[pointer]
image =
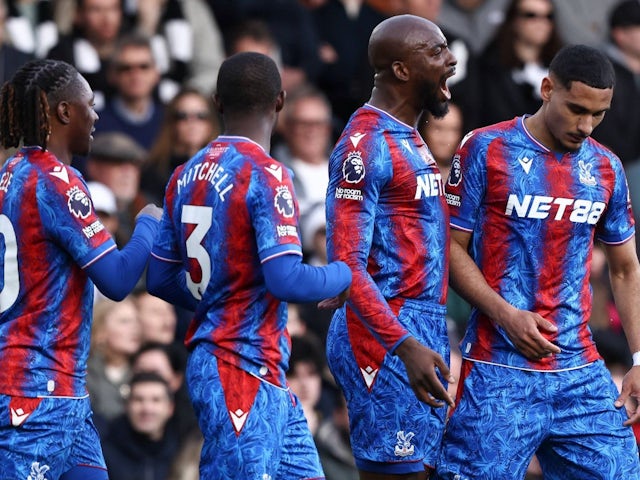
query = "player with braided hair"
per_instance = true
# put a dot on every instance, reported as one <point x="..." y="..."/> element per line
<point x="54" y="248"/>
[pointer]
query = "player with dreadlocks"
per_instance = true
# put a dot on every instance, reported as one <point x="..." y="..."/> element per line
<point x="53" y="248"/>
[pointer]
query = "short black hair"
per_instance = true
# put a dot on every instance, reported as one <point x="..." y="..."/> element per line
<point x="248" y="81"/>
<point x="150" y="377"/>
<point x="174" y="352"/>
<point x="581" y="63"/>
<point x="306" y="348"/>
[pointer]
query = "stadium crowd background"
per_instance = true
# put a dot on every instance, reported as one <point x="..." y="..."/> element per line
<point x="153" y="64"/>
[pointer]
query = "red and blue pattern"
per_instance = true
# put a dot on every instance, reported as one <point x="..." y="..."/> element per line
<point x="387" y="219"/>
<point x="228" y="209"/>
<point x="534" y="215"/>
<point x="50" y="231"/>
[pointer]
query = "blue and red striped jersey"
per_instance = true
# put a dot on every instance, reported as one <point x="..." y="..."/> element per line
<point x="534" y="215"/>
<point x="227" y="210"/>
<point x="387" y="219"/>
<point x="50" y="232"/>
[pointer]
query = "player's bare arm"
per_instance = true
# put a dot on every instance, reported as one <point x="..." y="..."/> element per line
<point x="524" y="328"/>
<point x="624" y="271"/>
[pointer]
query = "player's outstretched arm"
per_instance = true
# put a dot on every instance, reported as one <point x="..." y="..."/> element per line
<point x="523" y="327"/>
<point x="290" y="280"/>
<point x="117" y="272"/>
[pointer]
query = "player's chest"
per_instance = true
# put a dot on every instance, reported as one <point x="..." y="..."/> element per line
<point x="541" y="187"/>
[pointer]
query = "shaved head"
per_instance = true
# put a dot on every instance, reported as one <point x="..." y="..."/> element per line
<point x="412" y="61"/>
<point x="396" y="37"/>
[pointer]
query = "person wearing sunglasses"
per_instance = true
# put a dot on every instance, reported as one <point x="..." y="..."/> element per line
<point x="134" y="109"/>
<point x="512" y="66"/>
<point x="188" y="125"/>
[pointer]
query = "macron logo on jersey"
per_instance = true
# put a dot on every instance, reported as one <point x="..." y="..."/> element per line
<point x="540" y="207"/>
<point x="355" y="138"/>
<point x="526" y="163"/>
<point x="275" y="170"/>
<point x="61" y="173"/>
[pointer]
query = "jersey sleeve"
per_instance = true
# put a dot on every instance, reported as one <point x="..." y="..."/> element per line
<point x="273" y="209"/>
<point x="69" y="217"/>
<point x="357" y="176"/>
<point x="465" y="187"/>
<point x="618" y="223"/>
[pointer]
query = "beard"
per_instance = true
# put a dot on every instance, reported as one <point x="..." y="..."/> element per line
<point x="435" y="107"/>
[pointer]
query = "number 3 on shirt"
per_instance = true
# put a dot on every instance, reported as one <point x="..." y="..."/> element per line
<point x="201" y="217"/>
<point x="11" y="278"/>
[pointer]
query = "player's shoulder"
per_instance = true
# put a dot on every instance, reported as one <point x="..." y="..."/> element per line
<point x="592" y="146"/>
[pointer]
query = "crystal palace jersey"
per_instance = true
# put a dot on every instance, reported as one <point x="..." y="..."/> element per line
<point x="49" y="233"/>
<point x="227" y="210"/>
<point x="387" y="219"/>
<point x="533" y="215"/>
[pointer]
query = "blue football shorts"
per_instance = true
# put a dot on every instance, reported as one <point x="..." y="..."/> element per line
<point x="49" y="438"/>
<point x="504" y="416"/>
<point x="253" y="430"/>
<point x="392" y="432"/>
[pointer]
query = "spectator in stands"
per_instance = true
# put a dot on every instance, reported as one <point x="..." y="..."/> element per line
<point x="157" y="318"/>
<point x="186" y="40"/>
<point x="133" y="109"/>
<point x="115" y="338"/>
<point x="307" y="122"/>
<point x="116" y="160"/>
<point x="30" y="26"/>
<point x="291" y="27"/>
<point x="91" y="44"/>
<point x="11" y="58"/>
<point x="344" y="28"/>
<point x="140" y="444"/>
<point x="516" y="60"/>
<point x="169" y="361"/>
<point x="583" y="21"/>
<point x="476" y="21"/>
<point x="442" y="136"/>
<point x="189" y="123"/>
<point x="621" y="124"/>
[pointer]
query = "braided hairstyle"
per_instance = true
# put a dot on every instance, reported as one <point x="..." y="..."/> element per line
<point x="26" y="99"/>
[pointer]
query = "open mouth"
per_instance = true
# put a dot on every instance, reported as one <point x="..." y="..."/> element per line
<point x="444" y="88"/>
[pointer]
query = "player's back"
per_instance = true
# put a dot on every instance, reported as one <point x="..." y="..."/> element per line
<point x="232" y="207"/>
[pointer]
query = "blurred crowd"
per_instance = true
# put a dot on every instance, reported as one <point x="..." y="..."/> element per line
<point x="152" y="65"/>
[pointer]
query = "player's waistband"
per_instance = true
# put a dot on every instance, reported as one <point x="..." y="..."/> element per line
<point x="420" y="305"/>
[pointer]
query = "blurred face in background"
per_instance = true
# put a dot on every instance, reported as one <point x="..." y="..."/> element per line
<point x="194" y="123"/>
<point x="442" y="136"/>
<point x="135" y="73"/>
<point x="156" y="361"/>
<point x="534" y="22"/>
<point x="100" y="20"/>
<point x="157" y="318"/>
<point x="308" y="129"/>
<point x="149" y="408"/>
<point x="119" y="332"/>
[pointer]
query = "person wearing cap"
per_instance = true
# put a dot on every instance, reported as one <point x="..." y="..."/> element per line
<point x="116" y="161"/>
<point x="620" y="127"/>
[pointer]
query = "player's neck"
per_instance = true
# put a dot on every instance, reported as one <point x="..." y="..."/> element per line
<point x="258" y="129"/>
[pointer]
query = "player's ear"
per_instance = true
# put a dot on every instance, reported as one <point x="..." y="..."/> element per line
<point x="546" y="88"/>
<point x="63" y="112"/>
<point x="400" y="70"/>
<point x="280" y="100"/>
